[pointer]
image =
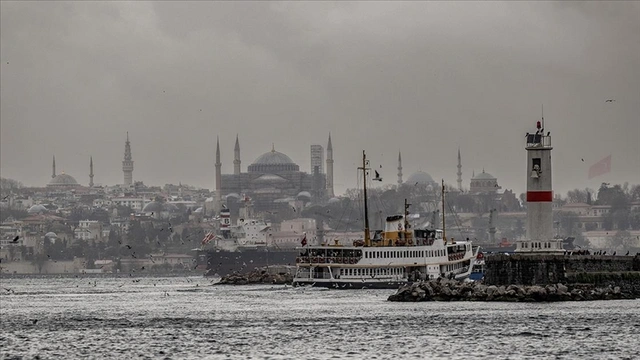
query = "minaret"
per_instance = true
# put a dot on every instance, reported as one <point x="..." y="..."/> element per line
<point x="218" y="203"/>
<point x="399" y="168"/>
<point x="539" y="196"/>
<point x="53" y="174"/>
<point x="127" y="163"/>
<point x="91" y="171"/>
<point x="330" y="192"/>
<point x="459" y="171"/>
<point x="236" y="158"/>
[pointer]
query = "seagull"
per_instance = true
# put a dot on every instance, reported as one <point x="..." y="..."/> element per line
<point x="609" y="100"/>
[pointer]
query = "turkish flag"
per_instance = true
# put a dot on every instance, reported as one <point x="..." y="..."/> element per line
<point x="601" y="167"/>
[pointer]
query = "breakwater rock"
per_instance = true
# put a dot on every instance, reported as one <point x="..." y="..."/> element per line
<point x="451" y="290"/>
<point x="257" y="276"/>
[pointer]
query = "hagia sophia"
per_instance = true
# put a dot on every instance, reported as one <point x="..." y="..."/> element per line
<point x="274" y="180"/>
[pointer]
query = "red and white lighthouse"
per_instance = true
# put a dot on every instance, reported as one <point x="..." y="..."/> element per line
<point x="539" y="196"/>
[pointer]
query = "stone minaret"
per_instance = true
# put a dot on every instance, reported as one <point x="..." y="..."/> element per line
<point x="330" y="192"/>
<point x="236" y="157"/>
<point x="53" y="174"/>
<point x="127" y="163"/>
<point x="459" y="171"/>
<point x="218" y="203"/>
<point x="91" y="171"/>
<point x="399" y="168"/>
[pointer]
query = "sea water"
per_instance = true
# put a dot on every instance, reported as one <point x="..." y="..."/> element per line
<point x="190" y="318"/>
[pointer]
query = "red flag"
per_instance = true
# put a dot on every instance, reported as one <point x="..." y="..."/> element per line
<point x="304" y="240"/>
<point x="601" y="167"/>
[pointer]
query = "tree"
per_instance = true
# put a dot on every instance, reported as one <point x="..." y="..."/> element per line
<point x="9" y="185"/>
<point x="577" y="196"/>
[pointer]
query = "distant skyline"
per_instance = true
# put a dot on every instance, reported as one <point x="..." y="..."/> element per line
<point x="425" y="78"/>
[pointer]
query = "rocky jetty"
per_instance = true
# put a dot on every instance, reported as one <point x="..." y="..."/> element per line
<point x="451" y="290"/>
<point x="257" y="276"/>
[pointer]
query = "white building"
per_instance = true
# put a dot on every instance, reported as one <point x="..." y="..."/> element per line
<point x="134" y="203"/>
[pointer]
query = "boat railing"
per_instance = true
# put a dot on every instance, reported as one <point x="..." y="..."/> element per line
<point x="327" y="259"/>
<point x="456" y="256"/>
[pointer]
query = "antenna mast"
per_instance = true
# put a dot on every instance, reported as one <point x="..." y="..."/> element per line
<point x="543" y="116"/>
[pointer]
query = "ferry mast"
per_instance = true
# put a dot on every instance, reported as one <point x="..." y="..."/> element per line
<point x="444" y="234"/>
<point x="364" y="168"/>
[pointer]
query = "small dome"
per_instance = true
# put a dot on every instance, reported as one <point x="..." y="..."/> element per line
<point x="232" y="195"/>
<point x="420" y="177"/>
<point x="158" y="207"/>
<point x="63" y="180"/>
<point x="36" y="209"/>
<point x="484" y="176"/>
<point x="304" y="195"/>
<point x="50" y="234"/>
<point x="334" y="200"/>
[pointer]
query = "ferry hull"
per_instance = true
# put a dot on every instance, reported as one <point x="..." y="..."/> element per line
<point x="352" y="284"/>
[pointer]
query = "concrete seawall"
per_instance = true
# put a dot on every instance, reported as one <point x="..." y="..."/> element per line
<point x="599" y="270"/>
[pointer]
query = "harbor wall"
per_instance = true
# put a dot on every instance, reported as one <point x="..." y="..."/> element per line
<point x="531" y="269"/>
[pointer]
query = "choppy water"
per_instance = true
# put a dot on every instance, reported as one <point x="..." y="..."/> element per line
<point x="187" y="318"/>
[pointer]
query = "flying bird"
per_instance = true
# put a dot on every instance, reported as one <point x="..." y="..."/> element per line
<point x="610" y="100"/>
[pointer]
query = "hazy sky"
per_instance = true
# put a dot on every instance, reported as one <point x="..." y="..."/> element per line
<point x="421" y="77"/>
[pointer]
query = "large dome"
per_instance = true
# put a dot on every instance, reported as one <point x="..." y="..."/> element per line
<point x="273" y="161"/>
<point x="484" y="176"/>
<point x="420" y="177"/>
<point x="63" y="180"/>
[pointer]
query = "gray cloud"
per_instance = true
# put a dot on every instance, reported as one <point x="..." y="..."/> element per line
<point x="421" y="77"/>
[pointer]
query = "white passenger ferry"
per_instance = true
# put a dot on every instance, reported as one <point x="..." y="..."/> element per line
<point x="396" y="256"/>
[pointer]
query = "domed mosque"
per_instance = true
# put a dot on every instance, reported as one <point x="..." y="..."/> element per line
<point x="273" y="177"/>
<point x="420" y="178"/>
<point x="63" y="181"/>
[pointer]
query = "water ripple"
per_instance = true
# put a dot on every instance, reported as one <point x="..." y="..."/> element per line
<point x="187" y="318"/>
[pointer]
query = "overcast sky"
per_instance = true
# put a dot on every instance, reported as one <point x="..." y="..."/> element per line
<point x="421" y="77"/>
